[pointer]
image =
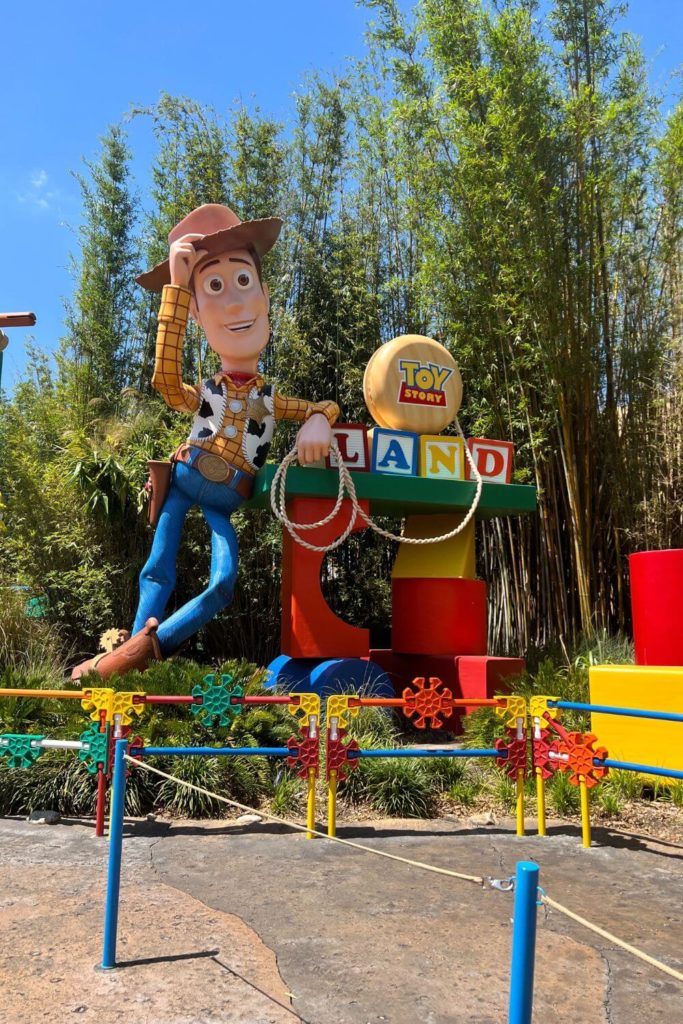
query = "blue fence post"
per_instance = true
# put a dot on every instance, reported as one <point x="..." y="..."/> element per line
<point x="523" y="943"/>
<point x="111" y="908"/>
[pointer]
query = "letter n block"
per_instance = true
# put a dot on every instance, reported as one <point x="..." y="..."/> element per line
<point x="442" y="458"/>
<point x="493" y="459"/>
<point x="352" y="439"/>
<point x="394" y="451"/>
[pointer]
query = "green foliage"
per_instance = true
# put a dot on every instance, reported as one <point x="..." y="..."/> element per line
<point x="58" y="781"/>
<point x="505" y="791"/>
<point x="97" y="353"/>
<point x="467" y="790"/>
<point x="674" y="794"/>
<point x="237" y="778"/>
<point x="562" y="796"/>
<point x="625" y="786"/>
<point x="609" y="802"/>
<point x="288" y="796"/>
<point x="445" y="773"/>
<point x="400" y="788"/>
<point x="27" y="644"/>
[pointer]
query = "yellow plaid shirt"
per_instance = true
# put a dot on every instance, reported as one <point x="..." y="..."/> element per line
<point x="167" y="380"/>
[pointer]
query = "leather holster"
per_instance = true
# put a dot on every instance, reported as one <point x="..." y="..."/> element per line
<point x="159" y="483"/>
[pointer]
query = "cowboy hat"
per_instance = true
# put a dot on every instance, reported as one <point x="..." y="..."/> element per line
<point x="221" y="231"/>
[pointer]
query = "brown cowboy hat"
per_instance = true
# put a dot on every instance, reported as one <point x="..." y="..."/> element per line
<point x="221" y="231"/>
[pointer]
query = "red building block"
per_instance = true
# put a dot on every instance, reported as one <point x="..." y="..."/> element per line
<point x="486" y="676"/>
<point x="310" y="629"/>
<point x="438" y="616"/>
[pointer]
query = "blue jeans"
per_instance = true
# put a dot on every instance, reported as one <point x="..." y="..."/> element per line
<point x="158" y="578"/>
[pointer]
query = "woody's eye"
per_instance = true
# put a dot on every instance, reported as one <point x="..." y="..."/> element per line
<point x="244" y="279"/>
<point x="213" y="285"/>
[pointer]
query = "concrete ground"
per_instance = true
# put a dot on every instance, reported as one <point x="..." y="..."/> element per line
<point x="220" y="923"/>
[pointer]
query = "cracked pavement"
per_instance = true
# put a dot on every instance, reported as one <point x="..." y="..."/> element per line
<point x="230" y="924"/>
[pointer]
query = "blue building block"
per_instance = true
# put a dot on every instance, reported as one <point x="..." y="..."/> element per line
<point x="395" y="452"/>
<point x="335" y="675"/>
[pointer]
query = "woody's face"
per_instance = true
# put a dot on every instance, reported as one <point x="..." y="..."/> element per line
<point x="231" y="306"/>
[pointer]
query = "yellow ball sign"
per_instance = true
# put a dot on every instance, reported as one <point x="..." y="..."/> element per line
<point x="413" y="383"/>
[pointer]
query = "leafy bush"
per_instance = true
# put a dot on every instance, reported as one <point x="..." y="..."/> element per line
<point x="27" y="644"/>
<point x="562" y="796"/>
<point x="444" y="772"/>
<point x="609" y="802"/>
<point x="466" y="791"/>
<point x="288" y="796"/>
<point x="400" y="788"/>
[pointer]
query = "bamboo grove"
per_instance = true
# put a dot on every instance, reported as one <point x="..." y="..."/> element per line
<point x="503" y="181"/>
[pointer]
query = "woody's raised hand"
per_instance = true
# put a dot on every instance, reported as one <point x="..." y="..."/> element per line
<point x="183" y="258"/>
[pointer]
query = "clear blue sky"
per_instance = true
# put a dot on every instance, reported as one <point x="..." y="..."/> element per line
<point x="70" y="69"/>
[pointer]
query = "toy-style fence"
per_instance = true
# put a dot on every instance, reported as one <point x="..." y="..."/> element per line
<point x="547" y="747"/>
<point x="553" y="748"/>
<point x="114" y="714"/>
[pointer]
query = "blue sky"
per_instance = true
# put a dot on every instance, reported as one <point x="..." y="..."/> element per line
<point x="75" y="67"/>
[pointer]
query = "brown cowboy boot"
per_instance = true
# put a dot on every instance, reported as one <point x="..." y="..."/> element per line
<point x="135" y="653"/>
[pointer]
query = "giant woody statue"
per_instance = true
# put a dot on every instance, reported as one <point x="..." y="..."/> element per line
<point x="213" y="274"/>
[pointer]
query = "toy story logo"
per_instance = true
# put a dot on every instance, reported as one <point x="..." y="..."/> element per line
<point x="422" y="383"/>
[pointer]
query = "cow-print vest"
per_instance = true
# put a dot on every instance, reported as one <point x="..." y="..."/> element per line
<point x="256" y="436"/>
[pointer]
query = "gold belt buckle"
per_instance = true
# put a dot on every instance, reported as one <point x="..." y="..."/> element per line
<point x="213" y="467"/>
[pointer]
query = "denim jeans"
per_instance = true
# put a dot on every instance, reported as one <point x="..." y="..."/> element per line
<point x="158" y="578"/>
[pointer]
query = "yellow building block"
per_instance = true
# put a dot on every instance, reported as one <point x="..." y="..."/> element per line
<point x="647" y="688"/>
<point x="447" y="560"/>
<point x="442" y="458"/>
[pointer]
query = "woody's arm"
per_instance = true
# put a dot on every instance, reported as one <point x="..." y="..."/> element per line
<point x="168" y="362"/>
<point x="313" y="440"/>
<point x="173" y="314"/>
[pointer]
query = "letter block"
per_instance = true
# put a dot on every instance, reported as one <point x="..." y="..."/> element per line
<point x="442" y="458"/>
<point x="395" y="451"/>
<point x="352" y="439"/>
<point x="493" y="459"/>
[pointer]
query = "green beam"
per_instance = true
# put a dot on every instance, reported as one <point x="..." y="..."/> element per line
<point x="400" y="496"/>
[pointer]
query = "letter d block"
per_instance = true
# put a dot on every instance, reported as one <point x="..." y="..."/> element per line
<point x="394" y="451"/>
<point x="442" y="458"/>
<point x="352" y="440"/>
<point x="493" y="459"/>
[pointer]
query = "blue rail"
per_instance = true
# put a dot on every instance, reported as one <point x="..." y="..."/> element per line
<point x="213" y="751"/>
<point x="397" y="752"/>
<point x="647" y="769"/>
<point x="603" y="709"/>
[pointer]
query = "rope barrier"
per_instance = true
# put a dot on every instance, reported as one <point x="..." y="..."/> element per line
<point x="346" y="485"/>
<point x="477" y="879"/>
<point x="612" y="938"/>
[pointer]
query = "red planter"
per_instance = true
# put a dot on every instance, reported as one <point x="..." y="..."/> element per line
<point x="657" y="605"/>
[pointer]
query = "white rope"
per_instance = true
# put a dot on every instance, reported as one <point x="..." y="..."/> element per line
<point x="346" y="485"/>
<point x="612" y="938"/>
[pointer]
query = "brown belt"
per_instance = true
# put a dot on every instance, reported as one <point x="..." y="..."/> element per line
<point x="214" y="468"/>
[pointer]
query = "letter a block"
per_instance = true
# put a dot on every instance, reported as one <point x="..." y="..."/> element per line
<point x="493" y="459"/>
<point x="394" y="451"/>
<point x="352" y="439"/>
<point x="442" y="458"/>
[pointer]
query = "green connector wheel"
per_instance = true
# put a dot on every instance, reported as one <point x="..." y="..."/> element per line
<point x="216" y="708"/>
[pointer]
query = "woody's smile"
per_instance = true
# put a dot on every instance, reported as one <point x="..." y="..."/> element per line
<point x="242" y="325"/>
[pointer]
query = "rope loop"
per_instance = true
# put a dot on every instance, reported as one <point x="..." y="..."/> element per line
<point x="347" y="488"/>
